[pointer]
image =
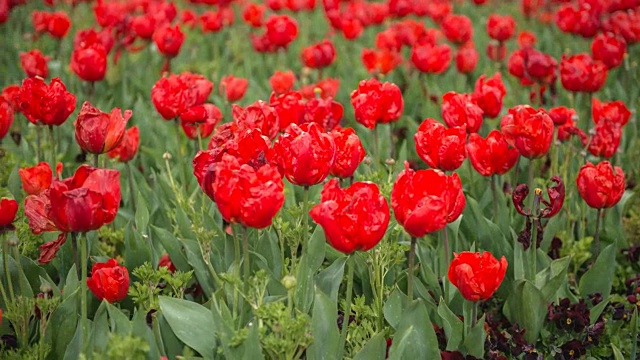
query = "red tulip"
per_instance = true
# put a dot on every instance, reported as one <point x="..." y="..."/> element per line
<point x="6" y="117"/>
<point x="380" y="61"/>
<point x="609" y="49"/>
<point x="281" y="30"/>
<point x="439" y="147"/>
<point x="200" y="119"/>
<point x="569" y="129"/>
<point x="375" y="102"/>
<point x="457" y="28"/>
<point x="233" y="88"/>
<point x="501" y="28"/>
<point x="561" y="115"/>
<point x="38" y="178"/>
<point x="258" y="115"/>
<point x="175" y="94"/>
<point x="581" y="73"/>
<point x="325" y="112"/>
<point x="109" y="281"/>
<point x="282" y="81"/>
<point x="432" y="59"/>
<point x="253" y="14"/>
<point x="349" y="152"/>
<point x="128" y="147"/>
<point x="305" y="154"/>
<point x="169" y="40"/>
<point x="98" y="132"/>
<point x="353" y="219"/>
<point x="491" y="156"/>
<point x="34" y="63"/>
<point x="212" y="21"/>
<point x="477" y="276"/>
<point x="526" y="38"/>
<point x="425" y="201"/>
<point x="467" y="58"/>
<point x="87" y="37"/>
<point x="489" y="93"/>
<point x="601" y="186"/>
<point x="86" y="201"/>
<point x="496" y="51"/>
<point x="8" y="211"/>
<point x="528" y="130"/>
<point x="289" y="107"/>
<point x="615" y="111"/>
<point x="606" y="139"/>
<point x="57" y="23"/>
<point x="251" y="197"/>
<point x="461" y="110"/>
<point x="46" y="104"/>
<point x="11" y="94"/>
<point x="144" y="25"/>
<point x="165" y="261"/>
<point x="319" y="55"/>
<point x="89" y="61"/>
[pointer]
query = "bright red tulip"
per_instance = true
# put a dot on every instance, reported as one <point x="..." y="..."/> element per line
<point x="289" y="107"/>
<point x="89" y="62"/>
<point x="34" y="63"/>
<point x="349" y="152"/>
<point x="606" y="139"/>
<point x="439" y="147"/>
<point x="305" y="154"/>
<point x="98" y="132"/>
<point x="11" y="94"/>
<point x="38" y="178"/>
<point x="281" y="30"/>
<point x="253" y="14"/>
<point x="496" y="51"/>
<point x="375" y="102"/>
<point x="528" y="130"/>
<point x="87" y="37"/>
<point x="580" y="73"/>
<point x="425" y="201"/>
<point x="282" y="81"/>
<point x="245" y="195"/>
<point x="489" y="93"/>
<point x="461" y="110"/>
<point x="609" y="49"/>
<point x="57" y="23"/>
<point x="433" y="59"/>
<point x="457" y="28"/>
<point x="200" y="119"/>
<point x="144" y="26"/>
<point x="46" y="104"/>
<point x="601" y="186"/>
<point x="467" y="58"/>
<point x="6" y="117"/>
<point x="109" y="281"/>
<point x="615" y="111"/>
<point x="477" y="276"/>
<point x="491" y="156"/>
<point x="258" y="115"/>
<point x="169" y="40"/>
<point x="8" y="211"/>
<point x="353" y="219"/>
<point x="561" y="115"/>
<point x="380" y="61"/>
<point x="325" y="112"/>
<point x="233" y="88"/>
<point x="501" y="28"/>
<point x="128" y="147"/>
<point x="317" y="56"/>
<point x="174" y="94"/>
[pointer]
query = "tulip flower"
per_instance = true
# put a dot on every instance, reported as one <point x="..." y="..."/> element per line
<point x="8" y="211"/>
<point x="165" y="261"/>
<point x="175" y="94"/>
<point x="439" y="147"/>
<point x="375" y="102"/>
<point x="467" y="58"/>
<point x="258" y="115"/>
<point x="319" y="55"/>
<point x="281" y="30"/>
<point x="501" y="28"/>
<point x="353" y="219"/>
<point x="56" y="24"/>
<point x="89" y="62"/>
<point x="169" y="40"/>
<point x="609" y="49"/>
<point x="289" y="107"/>
<point x="253" y="14"/>
<point x="325" y="112"/>
<point x="6" y="117"/>
<point x="282" y="81"/>
<point x="461" y="110"/>
<point x="615" y="111"/>
<point x="128" y="147"/>
<point x="528" y="130"/>
<point x="233" y="88"/>
<point x="46" y="104"/>
<point x="580" y="73"/>
<point x="433" y="59"/>
<point x="477" y="276"/>
<point x="200" y="120"/>
<point x="109" y="281"/>
<point x="491" y="156"/>
<point x="380" y="61"/>
<point x="34" y="63"/>
<point x="457" y="28"/>
<point x="349" y="152"/>
<point x="305" y="154"/>
<point x="38" y="178"/>
<point x="489" y="93"/>
<point x="98" y="132"/>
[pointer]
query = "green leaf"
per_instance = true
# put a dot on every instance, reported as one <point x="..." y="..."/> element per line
<point x="309" y="265"/>
<point x="191" y="323"/>
<point x="374" y="349"/>
<point x="527" y="306"/>
<point x="142" y="214"/>
<point x="551" y="278"/>
<point x="140" y="329"/>
<point x="196" y="260"/>
<point x="252" y="348"/>
<point x="64" y="320"/>
<point x="119" y="321"/>
<point x="137" y="251"/>
<point x="596" y="311"/>
<point x="324" y="328"/>
<point x="329" y="279"/>
<point x="101" y="328"/>
<point x="474" y="341"/>
<point x="617" y="354"/>
<point x="393" y="308"/>
<point x="453" y="326"/>
<point x="172" y="245"/>
<point x="600" y="277"/>
<point x="76" y="347"/>
<point x="415" y="336"/>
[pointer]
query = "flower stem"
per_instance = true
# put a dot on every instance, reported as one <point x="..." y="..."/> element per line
<point x="447" y="261"/>
<point x="596" y="236"/>
<point x="305" y="218"/>
<point x="20" y="270"/>
<point x="38" y="144"/>
<point x="132" y="197"/>
<point x="474" y="314"/>
<point x="74" y="251"/>
<point x="347" y="310"/>
<point x="534" y="250"/>
<point x="5" y="261"/>
<point x="412" y="259"/>
<point x="245" y="261"/>
<point x="376" y="149"/>
<point x="52" y="140"/>
<point x="96" y="159"/>
<point x="494" y="192"/>
<point x="83" y="283"/>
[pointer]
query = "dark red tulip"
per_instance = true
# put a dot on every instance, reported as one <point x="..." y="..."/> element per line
<point x="601" y="186"/>
<point x="38" y="178"/>
<point x="34" y="63"/>
<point x="233" y="88"/>
<point x="491" y="156"/>
<point x="349" y="152"/>
<point x="457" y="28"/>
<point x="489" y="93"/>
<point x="425" y="201"/>
<point x="461" y="110"/>
<point x="109" y="281"/>
<point x="281" y="30"/>
<point x="8" y="211"/>
<point x="548" y="208"/>
<point x="319" y="55"/>
<point x="439" y="147"/>
<point x="6" y="117"/>
<point x="200" y="120"/>
<point x="89" y="61"/>
<point x="477" y="276"/>
<point x="305" y="154"/>
<point x="165" y="261"/>
<point x="561" y="115"/>
<point x="98" y="132"/>
<point x="433" y="59"/>
<point x="580" y="73"/>
<point x="609" y="48"/>
<point x="128" y="147"/>
<point x="258" y="115"/>
<point x="467" y="58"/>
<point x="353" y="219"/>
<point x="245" y="195"/>
<point x="501" y="28"/>
<point x="375" y="102"/>
<point x="282" y="81"/>
<point x="169" y="40"/>
<point x="528" y="130"/>
<point x="46" y="104"/>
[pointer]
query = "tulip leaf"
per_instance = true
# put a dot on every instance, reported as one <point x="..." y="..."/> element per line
<point x="474" y="340"/>
<point x="142" y="214"/>
<point x="393" y="308"/>
<point x="140" y="329"/>
<point x="268" y="246"/>
<point x="172" y="246"/>
<point x="309" y="265"/>
<point x="526" y="306"/>
<point x="595" y="312"/>
<point x="137" y="251"/>
<point x="329" y="279"/>
<point x="324" y="328"/>
<point x="192" y="323"/>
<point x="374" y="349"/>
<point x="76" y="346"/>
<point x="101" y="328"/>
<point x="195" y="258"/>
<point x="453" y="326"/>
<point x="551" y="278"/>
<point x="617" y="354"/>
<point x="71" y="283"/>
<point x="63" y="322"/>
<point x="119" y="321"/>
<point x="599" y="278"/>
<point x="170" y="343"/>
<point x="415" y="337"/>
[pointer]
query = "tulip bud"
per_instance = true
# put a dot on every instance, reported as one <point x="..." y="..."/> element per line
<point x="289" y="282"/>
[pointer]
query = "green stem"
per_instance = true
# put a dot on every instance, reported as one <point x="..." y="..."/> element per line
<point x="447" y="261"/>
<point x="376" y="149"/>
<point x="305" y="217"/>
<point x="596" y="236"/>
<point x="347" y="310"/>
<point x="96" y="160"/>
<point x="245" y="261"/>
<point x="83" y="281"/>
<point x="74" y="251"/>
<point x="20" y="270"/>
<point x="132" y="197"/>
<point x="5" y="260"/>
<point x="412" y="259"/>
<point x="534" y="250"/>
<point x="474" y="314"/>
<point x="494" y="193"/>
<point x="52" y="140"/>
<point x="38" y="144"/>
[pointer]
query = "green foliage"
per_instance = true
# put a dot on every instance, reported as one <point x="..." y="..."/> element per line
<point x="283" y="333"/>
<point x="152" y="283"/>
<point x="123" y="347"/>
<point x="361" y="328"/>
